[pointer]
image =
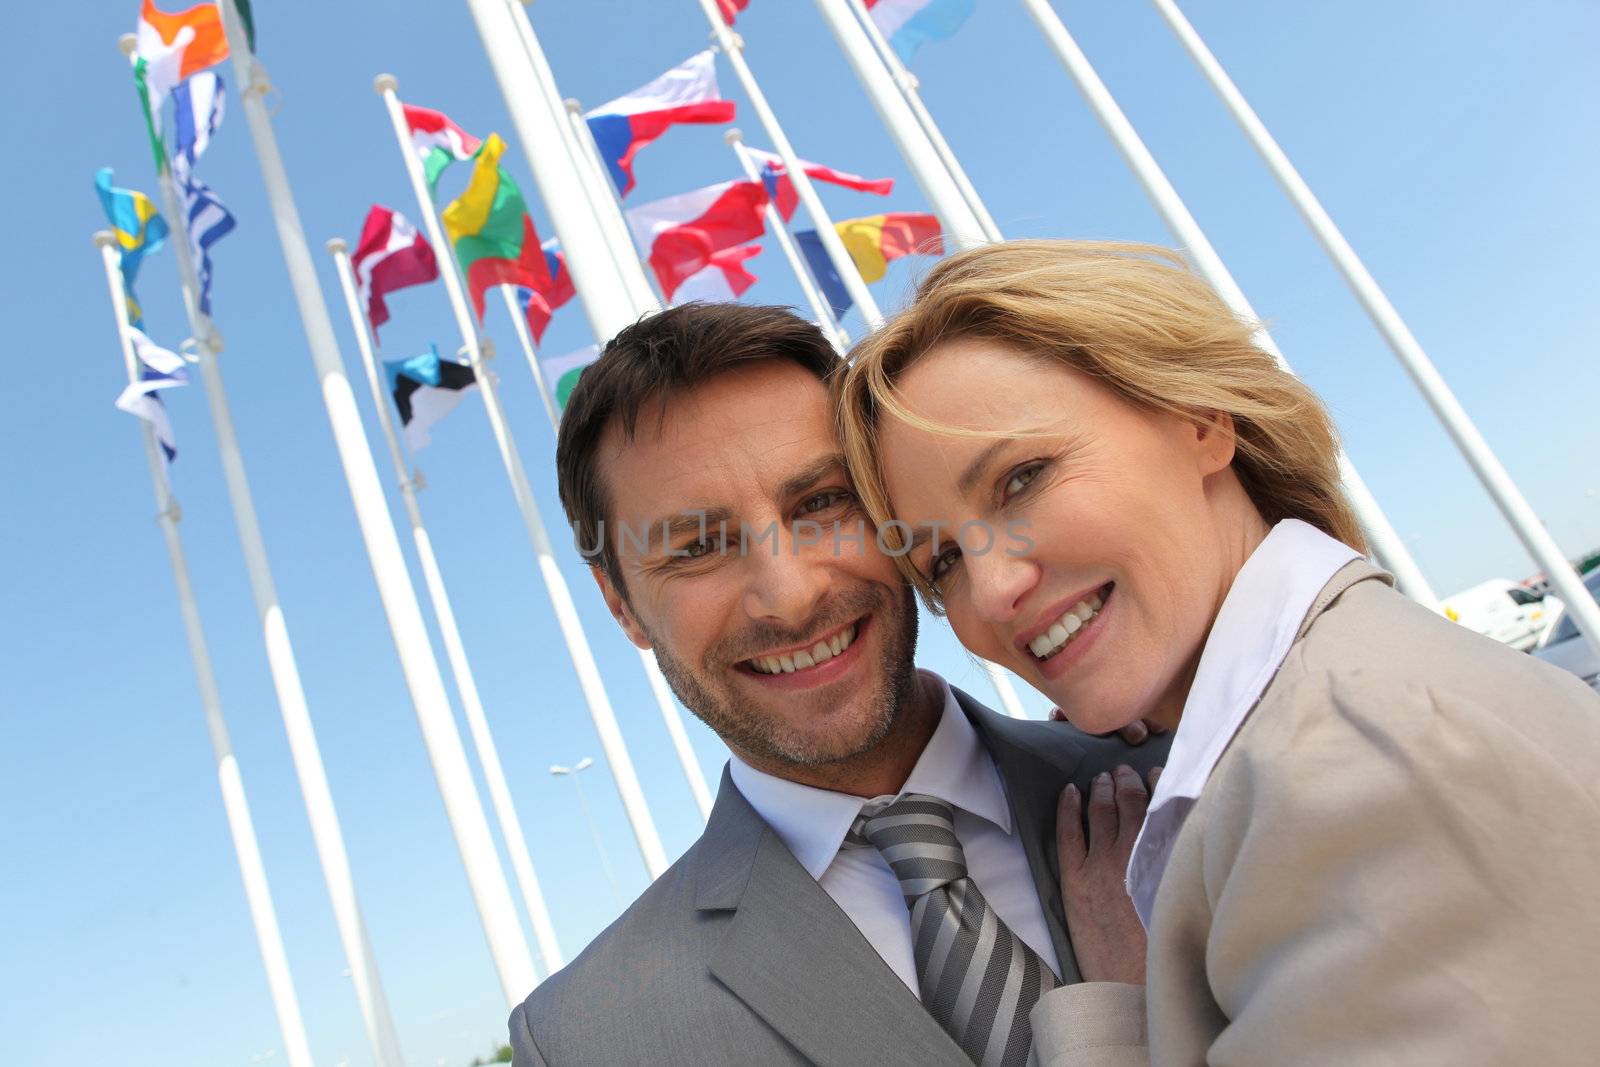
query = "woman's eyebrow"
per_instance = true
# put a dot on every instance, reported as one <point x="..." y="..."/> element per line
<point x="975" y="470"/>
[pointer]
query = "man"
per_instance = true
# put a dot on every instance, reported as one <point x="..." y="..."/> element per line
<point x="698" y="466"/>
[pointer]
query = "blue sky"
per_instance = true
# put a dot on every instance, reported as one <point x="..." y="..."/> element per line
<point x="1446" y="138"/>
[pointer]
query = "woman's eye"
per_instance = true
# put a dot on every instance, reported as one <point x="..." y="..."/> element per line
<point x="1020" y="479"/>
<point x="939" y="566"/>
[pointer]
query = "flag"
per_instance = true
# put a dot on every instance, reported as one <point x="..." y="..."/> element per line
<point x="159" y="369"/>
<point x="491" y="232"/>
<point x="721" y="281"/>
<point x="170" y="49"/>
<point x="539" y="305"/>
<point x="908" y="24"/>
<point x="683" y="232"/>
<point x="730" y="9"/>
<point x="437" y="141"/>
<point x="197" y="108"/>
<point x="874" y="240"/>
<point x="561" y="372"/>
<point x="426" y="389"/>
<point x="686" y="93"/>
<point x="780" y="187"/>
<point x="205" y="220"/>
<point x="390" y="255"/>
<point x="138" y="227"/>
<point x="823" y="270"/>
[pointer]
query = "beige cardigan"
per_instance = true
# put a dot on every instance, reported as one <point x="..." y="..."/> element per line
<point x="1397" y="861"/>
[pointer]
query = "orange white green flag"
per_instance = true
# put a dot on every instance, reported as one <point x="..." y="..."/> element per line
<point x="170" y="48"/>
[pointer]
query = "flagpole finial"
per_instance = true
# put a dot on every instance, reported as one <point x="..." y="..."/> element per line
<point x="733" y="136"/>
<point x="104" y="238"/>
<point x="573" y="106"/>
<point x="128" y="43"/>
<point x="337" y="245"/>
<point x="385" y="83"/>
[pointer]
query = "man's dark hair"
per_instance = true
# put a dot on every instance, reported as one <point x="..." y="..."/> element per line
<point x="662" y="354"/>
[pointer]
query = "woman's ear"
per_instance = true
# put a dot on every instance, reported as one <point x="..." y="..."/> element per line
<point x="1216" y="441"/>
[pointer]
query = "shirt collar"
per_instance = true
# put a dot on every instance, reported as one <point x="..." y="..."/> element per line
<point x="1258" y="622"/>
<point x="954" y="767"/>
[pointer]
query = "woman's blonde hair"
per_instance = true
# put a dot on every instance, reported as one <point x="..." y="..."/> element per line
<point x="1132" y="317"/>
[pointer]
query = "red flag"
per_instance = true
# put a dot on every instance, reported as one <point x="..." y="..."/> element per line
<point x="390" y="255"/>
<point x="684" y="232"/>
<point x="781" y="187"/>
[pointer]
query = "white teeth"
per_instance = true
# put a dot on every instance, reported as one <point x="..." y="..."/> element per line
<point x="1066" y="627"/>
<point x="787" y="663"/>
<point x="836" y="644"/>
<point x="810" y="657"/>
<point x="772" y="665"/>
<point x="821" y="651"/>
<point x="802" y="660"/>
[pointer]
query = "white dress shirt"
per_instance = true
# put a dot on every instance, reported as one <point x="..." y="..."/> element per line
<point x="954" y="767"/>
<point x="1258" y="622"/>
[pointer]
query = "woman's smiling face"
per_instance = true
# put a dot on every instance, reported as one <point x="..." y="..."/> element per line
<point x="1116" y="530"/>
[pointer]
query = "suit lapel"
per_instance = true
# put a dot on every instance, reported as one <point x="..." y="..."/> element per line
<point x="797" y="961"/>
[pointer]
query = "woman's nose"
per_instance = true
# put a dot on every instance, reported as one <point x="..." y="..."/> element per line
<point x="999" y="582"/>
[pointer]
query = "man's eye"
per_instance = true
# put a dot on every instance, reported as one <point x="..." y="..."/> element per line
<point x="823" y="501"/>
<point x="1021" y="478"/>
<point x="699" y="549"/>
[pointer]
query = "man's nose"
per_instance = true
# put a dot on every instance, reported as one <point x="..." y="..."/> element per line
<point x="786" y="582"/>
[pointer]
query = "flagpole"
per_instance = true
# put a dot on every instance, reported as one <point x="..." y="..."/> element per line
<point x="908" y="83"/>
<point x="647" y="659"/>
<point x="455" y="651"/>
<point x="960" y="222"/>
<point x="241" y="827"/>
<point x="610" y="298"/>
<point x="732" y="47"/>
<point x="491" y="894"/>
<point x="605" y="207"/>
<point x="802" y="272"/>
<point x="1400" y="339"/>
<point x="1385" y="540"/>
<point x="285" y="672"/>
<point x="616" y="224"/>
<point x="605" y="720"/>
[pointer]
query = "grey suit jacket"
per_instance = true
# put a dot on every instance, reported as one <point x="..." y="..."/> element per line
<point x="737" y="956"/>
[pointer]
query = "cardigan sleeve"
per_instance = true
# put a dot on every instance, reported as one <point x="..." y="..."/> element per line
<point x="1090" y="1024"/>
<point x="1396" y="872"/>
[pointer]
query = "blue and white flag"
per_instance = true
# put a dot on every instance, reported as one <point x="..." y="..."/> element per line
<point x="198" y="100"/>
<point x="205" y="221"/>
<point x="159" y="368"/>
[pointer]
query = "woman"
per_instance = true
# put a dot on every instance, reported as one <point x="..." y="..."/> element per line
<point x="1375" y="837"/>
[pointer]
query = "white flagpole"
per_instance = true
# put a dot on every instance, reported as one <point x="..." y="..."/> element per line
<point x="605" y="719"/>
<point x="494" y="775"/>
<point x="647" y="659"/>
<point x="1386" y="543"/>
<point x="1434" y="389"/>
<point x="610" y="298"/>
<point x="615" y="223"/>
<point x="303" y="747"/>
<point x="961" y="224"/>
<point x="297" y="1049"/>
<point x="732" y="47"/>
<point x="604" y="206"/>
<point x="908" y="83"/>
<point x="802" y="271"/>
<point x="492" y="895"/>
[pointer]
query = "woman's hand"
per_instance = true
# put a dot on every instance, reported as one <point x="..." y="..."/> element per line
<point x="1107" y="937"/>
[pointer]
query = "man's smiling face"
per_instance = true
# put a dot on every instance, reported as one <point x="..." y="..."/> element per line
<point x="767" y="565"/>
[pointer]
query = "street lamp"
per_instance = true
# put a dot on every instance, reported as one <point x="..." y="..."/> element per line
<point x="594" y="831"/>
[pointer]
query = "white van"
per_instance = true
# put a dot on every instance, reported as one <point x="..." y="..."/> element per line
<point x="1501" y="609"/>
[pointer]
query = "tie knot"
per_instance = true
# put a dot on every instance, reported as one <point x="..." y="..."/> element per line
<point x="917" y="837"/>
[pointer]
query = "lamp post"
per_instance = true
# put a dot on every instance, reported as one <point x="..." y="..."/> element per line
<point x="588" y="817"/>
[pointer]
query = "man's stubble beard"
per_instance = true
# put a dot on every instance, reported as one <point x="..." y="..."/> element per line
<point x="745" y="728"/>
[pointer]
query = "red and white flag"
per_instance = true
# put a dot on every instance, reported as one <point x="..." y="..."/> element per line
<point x="684" y="232"/>
<point x="723" y="280"/>
<point x="686" y="93"/>
<point x="391" y="255"/>
<point x="781" y="188"/>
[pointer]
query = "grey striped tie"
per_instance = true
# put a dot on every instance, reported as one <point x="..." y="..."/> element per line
<point x="978" y="979"/>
